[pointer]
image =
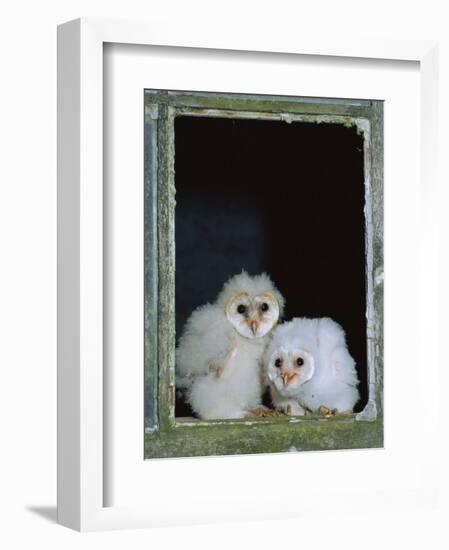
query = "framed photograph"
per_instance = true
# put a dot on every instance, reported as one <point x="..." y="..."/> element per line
<point x="225" y="216"/>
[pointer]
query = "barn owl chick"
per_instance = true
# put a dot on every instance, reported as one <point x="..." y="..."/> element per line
<point x="219" y="353"/>
<point x="308" y="366"/>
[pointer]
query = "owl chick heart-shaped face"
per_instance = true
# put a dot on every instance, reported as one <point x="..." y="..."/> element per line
<point x="252" y="316"/>
<point x="288" y="369"/>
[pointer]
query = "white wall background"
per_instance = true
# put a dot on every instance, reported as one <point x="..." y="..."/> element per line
<point x="28" y="272"/>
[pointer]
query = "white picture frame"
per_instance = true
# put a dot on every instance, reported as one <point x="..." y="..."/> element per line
<point x="81" y="450"/>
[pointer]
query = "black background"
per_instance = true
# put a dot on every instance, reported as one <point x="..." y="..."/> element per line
<point x="282" y="198"/>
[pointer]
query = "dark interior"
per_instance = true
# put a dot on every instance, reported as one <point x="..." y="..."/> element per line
<point x="287" y="199"/>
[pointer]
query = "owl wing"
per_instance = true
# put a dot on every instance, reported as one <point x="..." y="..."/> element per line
<point x="207" y="337"/>
<point x="344" y="366"/>
<point x="332" y="342"/>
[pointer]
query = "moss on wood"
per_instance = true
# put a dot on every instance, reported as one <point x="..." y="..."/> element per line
<point x="264" y="436"/>
<point x="261" y="103"/>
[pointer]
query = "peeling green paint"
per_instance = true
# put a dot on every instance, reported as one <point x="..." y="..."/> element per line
<point x="166" y="267"/>
<point x="260" y="103"/>
<point x="346" y="120"/>
<point x="150" y="267"/>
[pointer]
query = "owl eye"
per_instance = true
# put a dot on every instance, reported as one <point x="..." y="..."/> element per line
<point x="241" y="309"/>
<point x="300" y="361"/>
<point x="278" y="362"/>
<point x="264" y="307"/>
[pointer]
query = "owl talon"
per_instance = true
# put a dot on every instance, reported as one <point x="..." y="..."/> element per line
<point x="264" y="412"/>
<point x="261" y="410"/>
<point x="327" y="412"/>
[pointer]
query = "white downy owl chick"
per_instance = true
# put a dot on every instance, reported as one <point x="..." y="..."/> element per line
<point x="308" y="366"/>
<point x="218" y="359"/>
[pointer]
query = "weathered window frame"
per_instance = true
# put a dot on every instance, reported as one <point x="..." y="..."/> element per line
<point x="168" y="437"/>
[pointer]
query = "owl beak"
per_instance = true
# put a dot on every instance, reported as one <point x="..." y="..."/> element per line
<point x="254" y="326"/>
<point x="287" y="377"/>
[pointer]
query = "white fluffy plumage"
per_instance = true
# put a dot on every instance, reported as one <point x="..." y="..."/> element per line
<point x="218" y="359"/>
<point x="308" y="366"/>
